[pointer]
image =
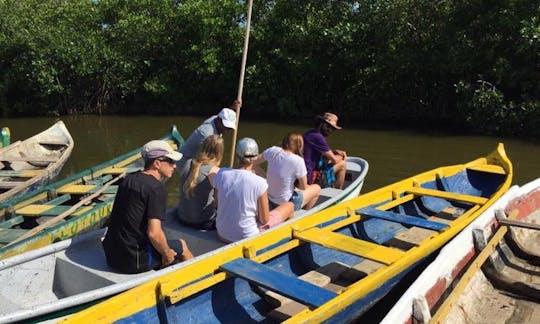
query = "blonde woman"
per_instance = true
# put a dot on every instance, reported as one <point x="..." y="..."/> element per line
<point x="197" y="208"/>
<point x="285" y="168"/>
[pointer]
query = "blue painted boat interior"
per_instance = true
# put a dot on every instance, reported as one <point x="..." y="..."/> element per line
<point x="235" y="300"/>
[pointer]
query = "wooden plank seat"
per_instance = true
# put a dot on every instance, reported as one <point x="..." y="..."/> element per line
<point x="120" y="170"/>
<point x="350" y="245"/>
<point x="402" y="219"/>
<point x="59" y="200"/>
<point x="52" y="141"/>
<point x="28" y="158"/>
<point x="286" y="285"/>
<point x="10" y="184"/>
<point x="48" y="210"/>
<point x="447" y="195"/>
<point x="12" y="222"/>
<point x="20" y="173"/>
<point x="76" y="189"/>
<point x="99" y="180"/>
<point x="7" y="235"/>
<point x="488" y="168"/>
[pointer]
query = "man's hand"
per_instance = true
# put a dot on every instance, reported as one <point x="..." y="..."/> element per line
<point x="237" y="104"/>
<point x="168" y="258"/>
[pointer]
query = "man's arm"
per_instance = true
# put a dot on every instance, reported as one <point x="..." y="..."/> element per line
<point x="159" y="241"/>
<point x="335" y="156"/>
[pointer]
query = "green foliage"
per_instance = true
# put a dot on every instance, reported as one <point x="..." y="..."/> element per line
<point x="474" y="63"/>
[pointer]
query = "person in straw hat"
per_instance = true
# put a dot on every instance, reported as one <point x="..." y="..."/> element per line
<point x="325" y="166"/>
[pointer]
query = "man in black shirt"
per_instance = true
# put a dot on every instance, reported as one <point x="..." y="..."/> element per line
<point x="135" y="241"/>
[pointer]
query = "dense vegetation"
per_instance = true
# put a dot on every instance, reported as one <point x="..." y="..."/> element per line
<point x="468" y="63"/>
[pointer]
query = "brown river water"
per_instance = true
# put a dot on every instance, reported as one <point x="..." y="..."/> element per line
<point x="392" y="154"/>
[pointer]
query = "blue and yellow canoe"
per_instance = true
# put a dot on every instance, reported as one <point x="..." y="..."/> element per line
<point x="329" y="267"/>
<point x="68" y="207"/>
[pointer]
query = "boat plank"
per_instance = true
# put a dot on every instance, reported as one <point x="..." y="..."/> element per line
<point x="21" y="173"/>
<point x="350" y="245"/>
<point x="29" y="158"/>
<point x="9" y="234"/>
<point x="76" y="189"/>
<point x="12" y="222"/>
<point x="48" y="210"/>
<point x="488" y="168"/>
<point x="10" y="184"/>
<point x="289" y="286"/>
<point x="402" y="219"/>
<point x="447" y="195"/>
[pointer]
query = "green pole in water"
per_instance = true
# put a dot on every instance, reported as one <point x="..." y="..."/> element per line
<point x="5" y="137"/>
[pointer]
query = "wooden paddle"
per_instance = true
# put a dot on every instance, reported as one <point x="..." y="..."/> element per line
<point x="68" y="212"/>
<point x="241" y="81"/>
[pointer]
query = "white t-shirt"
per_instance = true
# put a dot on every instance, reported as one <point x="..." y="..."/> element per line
<point x="283" y="169"/>
<point x="238" y="192"/>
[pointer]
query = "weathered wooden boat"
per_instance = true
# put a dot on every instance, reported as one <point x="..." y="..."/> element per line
<point x="60" y="277"/>
<point x="29" y="164"/>
<point x="328" y="267"/>
<point x="489" y="273"/>
<point x="68" y="207"/>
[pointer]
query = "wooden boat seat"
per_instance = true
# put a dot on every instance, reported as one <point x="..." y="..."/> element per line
<point x="52" y="141"/>
<point x="350" y="245"/>
<point x="447" y="195"/>
<point x="48" y="210"/>
<point x="334" y="276"/>
<point x="286" y="285"/>
<point x="20" y="173"/>
<point x="29" y="158"/>
<point x="10" y="184"/>
<point x="488" y="168"/>
<point x="11" y="222"/>
<point x="120" y="170"/>
<point x="7" y="235"/>
<point x="76" y="189"/>
<point x="402" y="219"/>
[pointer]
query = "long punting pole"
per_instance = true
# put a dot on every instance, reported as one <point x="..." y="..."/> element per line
<point x="241" y="81"/>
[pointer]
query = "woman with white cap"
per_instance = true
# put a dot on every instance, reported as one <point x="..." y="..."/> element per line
<point x="242" y="198"/>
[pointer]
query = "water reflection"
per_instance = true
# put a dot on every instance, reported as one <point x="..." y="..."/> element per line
<point x="392" y="154"/>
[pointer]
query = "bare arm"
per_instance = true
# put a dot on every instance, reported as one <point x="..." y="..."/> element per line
<point x="263" y="211"/>
<point x="159" y="241"/>
<point x="335" y="156"/>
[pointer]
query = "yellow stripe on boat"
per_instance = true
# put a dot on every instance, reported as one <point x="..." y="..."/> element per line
<point x="350" y="245"/>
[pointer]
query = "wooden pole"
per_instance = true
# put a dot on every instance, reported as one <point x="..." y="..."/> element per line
<point x="241" y="80"/>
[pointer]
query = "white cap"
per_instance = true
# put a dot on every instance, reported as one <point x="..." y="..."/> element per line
<point x="228" y="118"/>
<point x="247" y="148"/>
<point x="159" y="148"/>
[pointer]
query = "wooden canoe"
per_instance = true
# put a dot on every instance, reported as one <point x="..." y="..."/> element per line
<point x="68" y="207"/>
<point x="29" y="164"/>
<point x="329" y="267"/>
<point x="489" y="273"/>
<point x="74" y="272"/>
